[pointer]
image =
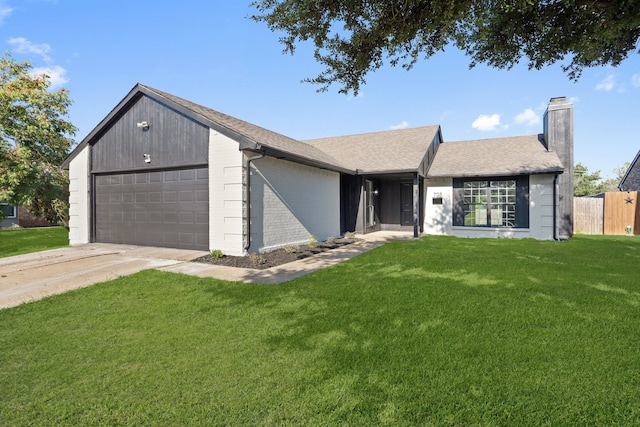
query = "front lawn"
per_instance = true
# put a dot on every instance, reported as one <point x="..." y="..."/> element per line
<point x="438" y="331"/>
<point x="27" y="240"/>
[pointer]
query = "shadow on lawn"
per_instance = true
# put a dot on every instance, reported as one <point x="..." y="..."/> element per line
<point x="411" y="333"/>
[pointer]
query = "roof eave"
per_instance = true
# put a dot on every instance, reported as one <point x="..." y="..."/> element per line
<point x="135" y="93"/>
<point x="626" y="174"/>
<point x="387" y="171"/>
<point x="279" y="154"/>
<point x="497" y="173"/>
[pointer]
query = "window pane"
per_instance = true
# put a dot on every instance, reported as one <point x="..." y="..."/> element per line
<point x="489" y="203"/>
<point x="9" y="211"/>
<point x="475" y="203"/>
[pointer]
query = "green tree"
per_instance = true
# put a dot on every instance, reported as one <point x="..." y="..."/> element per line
<point x="611" y="184"/>
<point x="34" y="139"/>
<point x="352" y="38"/>
<point x="587" y="183"/>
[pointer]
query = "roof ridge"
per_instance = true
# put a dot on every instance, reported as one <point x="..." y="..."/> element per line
<point x="374" y="132"/>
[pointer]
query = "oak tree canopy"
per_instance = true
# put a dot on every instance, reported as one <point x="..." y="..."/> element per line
<point x="354" y="37"/>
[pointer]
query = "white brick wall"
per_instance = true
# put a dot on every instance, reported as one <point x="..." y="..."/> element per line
<point x="438" y="219"/>
<point x="541" y="202"/>
<point x="225" y="195"/>
<point x="290" y="202"/>
<point x="79" y="219"/>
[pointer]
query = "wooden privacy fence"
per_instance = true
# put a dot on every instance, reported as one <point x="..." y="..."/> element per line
<point x="616" y="213"/>
<point x="588" y="215"/>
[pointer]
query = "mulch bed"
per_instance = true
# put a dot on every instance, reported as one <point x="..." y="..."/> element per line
<point x="276" y="257"/>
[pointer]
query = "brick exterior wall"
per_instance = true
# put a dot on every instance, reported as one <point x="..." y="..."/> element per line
<point x="79" y="198"/>
<point x="438" y="218"/>
<point x="26" y="220"/>
<point x="225" y="195"/>
<point x="290" y="202"/>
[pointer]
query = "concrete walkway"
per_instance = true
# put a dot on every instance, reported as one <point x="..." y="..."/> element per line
<point x="286" y="272"/>
<point x="30" y="277"/>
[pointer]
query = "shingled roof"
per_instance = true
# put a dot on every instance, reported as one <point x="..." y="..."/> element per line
<point x="249" y="136"/>
<point x="395" y="151"/>
<point x="256" y="137"/>
<point x="516" y="155"/>
<point x="391" y="151"/>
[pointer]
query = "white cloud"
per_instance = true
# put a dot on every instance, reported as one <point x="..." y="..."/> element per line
<point x="4" y="11"/>
<point x="486" y="123"/>
<point x="608" y="84"/>
<point x="528" y="117"/>
<point x="402" y="125"/>
<point x="22" y="45"/>
<point x="635" y="80"/>
<point x="56" y="75"/>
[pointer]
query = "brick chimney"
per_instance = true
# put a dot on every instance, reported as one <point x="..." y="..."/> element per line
<point x="558" y="137"/>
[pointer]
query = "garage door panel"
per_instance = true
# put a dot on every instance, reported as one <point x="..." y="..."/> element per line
<point x="161" y="208"/>
<point x="202" y="196"/>
<point x="202" y="218"/>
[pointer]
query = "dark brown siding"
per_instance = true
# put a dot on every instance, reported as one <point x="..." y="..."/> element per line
<point x="171" y="141"/>
<point x="558" y="135"/>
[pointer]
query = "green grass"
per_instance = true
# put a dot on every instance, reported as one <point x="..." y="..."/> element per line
<point x="27" y="240"/>
<point x="439" y="331"/>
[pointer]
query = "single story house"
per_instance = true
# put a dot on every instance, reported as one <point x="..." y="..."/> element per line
<point x="10" y="217"/>
<point x="159" y="170"/>
<point x="631" y="179"/>
<point x="20" y="217"/>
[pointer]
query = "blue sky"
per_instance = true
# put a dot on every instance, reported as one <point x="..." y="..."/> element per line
<point x="209" y="52"/>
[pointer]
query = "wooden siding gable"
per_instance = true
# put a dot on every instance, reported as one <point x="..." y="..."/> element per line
<point x="172" y="139"/>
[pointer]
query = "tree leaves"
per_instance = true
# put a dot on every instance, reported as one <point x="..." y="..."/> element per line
<point x="355" y="37"/>
<point x="34" y="139"/>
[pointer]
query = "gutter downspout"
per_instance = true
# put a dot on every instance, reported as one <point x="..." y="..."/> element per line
<point x="555" y="207"/>
<point x="247" y="197"/>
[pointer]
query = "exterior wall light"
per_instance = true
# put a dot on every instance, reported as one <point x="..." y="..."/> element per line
<point x="147" y="158"/>
<point x="143" y="125"/>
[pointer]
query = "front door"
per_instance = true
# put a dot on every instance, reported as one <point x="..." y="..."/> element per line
<point x="406" y="201"/>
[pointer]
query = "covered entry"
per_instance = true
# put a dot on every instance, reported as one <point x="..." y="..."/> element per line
<point x="382" y="202"/>
<point x="156" y="208"/>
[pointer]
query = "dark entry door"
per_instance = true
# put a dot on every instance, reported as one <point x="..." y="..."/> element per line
<point x="406" y="200"/>
<point x="159" y="208"/>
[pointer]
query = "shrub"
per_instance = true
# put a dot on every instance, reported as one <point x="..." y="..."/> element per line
<point x="257" y="259"/>
<point x="216" y="253"/>
<point x="331" y="240"/>
<point x="313" y="241"/>
<point x="291" y="249"/>
<point x="349" y="235"/>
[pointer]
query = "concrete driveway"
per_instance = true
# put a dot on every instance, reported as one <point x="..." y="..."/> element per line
<point x="30" y="277"/>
